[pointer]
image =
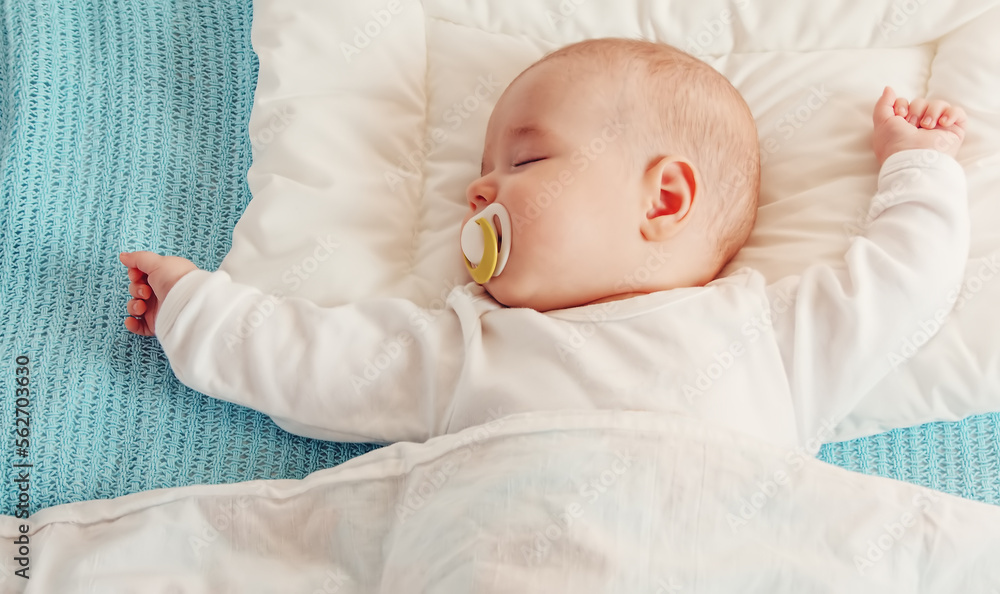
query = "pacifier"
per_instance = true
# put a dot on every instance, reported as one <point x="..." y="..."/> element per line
<point x="486" y="250"/>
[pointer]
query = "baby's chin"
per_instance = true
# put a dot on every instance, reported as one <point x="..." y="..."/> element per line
<point x="499" y="292"/>
<point x="509" y="292"/>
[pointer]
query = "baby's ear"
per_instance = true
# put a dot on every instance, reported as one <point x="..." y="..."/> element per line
<point x="671" y="185"/>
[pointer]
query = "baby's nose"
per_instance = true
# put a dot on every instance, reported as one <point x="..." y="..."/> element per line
<point x="480" y="193"/>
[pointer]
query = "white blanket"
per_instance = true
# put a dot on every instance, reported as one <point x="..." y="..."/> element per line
<point x="588" y="501"/>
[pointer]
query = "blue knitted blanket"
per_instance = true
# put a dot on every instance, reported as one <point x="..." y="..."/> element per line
<point x="123" y="126"/>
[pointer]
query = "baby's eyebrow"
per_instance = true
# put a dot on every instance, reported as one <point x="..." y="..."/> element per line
<point x="528" y="130"/>
<point x="514" y="134"/>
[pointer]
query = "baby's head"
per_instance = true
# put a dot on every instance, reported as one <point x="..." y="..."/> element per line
<point x="626" y="166"/>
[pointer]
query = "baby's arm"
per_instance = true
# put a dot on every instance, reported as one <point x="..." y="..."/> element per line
<point x="841" y="330"/>
<point x="381" y="370"/>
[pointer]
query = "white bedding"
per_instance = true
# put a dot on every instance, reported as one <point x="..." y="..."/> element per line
<point x="367" y="124"/>
<point x="576" y="501"/>
<point x="369" y="117"/>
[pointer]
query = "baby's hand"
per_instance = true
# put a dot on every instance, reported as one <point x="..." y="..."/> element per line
<point x="900" y="125"/>
<point x="152" y="277"/>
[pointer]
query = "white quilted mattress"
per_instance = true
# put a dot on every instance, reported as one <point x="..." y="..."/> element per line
<point x="369" y="119"/>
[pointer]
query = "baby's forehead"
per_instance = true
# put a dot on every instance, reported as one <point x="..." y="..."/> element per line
<point x="534" y="106"/>
<point x="548" y="101"/>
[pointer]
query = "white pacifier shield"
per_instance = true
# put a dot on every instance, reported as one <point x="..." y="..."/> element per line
<point x="472" y="236"/>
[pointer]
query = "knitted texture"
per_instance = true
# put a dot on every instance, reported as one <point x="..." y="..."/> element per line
<point x="123" y="126"/>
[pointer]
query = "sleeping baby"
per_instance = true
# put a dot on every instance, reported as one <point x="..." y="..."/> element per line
<point x="618" y="179"/>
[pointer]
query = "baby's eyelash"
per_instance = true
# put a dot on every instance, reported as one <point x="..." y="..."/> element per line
<point x="528" y="161"/>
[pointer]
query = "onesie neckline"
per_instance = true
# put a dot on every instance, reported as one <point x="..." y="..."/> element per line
<point x="639" y="304"/>
<point x="624" y="308"/>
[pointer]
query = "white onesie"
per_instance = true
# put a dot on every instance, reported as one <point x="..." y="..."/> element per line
<point x="782" y="362"/>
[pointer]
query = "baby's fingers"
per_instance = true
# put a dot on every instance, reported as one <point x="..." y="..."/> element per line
<point x="901" y="107"/>
<point x="935" y="108"/>
<point x="140" y="290"/>
<point x="953" y="115"/>
<point x="136" y="307"/>
<point x="884" y="107"/>
<point x="145" y="262"/>
<point x="138" y="326"/>
<point x="916" y="111"/>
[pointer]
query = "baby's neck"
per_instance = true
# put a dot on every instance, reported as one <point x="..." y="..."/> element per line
<point x="615" y="297"/>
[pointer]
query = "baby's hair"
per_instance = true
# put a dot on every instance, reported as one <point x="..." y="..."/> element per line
<point x="673" y="103"/>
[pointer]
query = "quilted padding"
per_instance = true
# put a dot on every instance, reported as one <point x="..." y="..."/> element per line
<point x="369" y="119"/>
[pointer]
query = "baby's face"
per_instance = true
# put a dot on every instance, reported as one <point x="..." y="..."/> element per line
<point x="555" y="157"/>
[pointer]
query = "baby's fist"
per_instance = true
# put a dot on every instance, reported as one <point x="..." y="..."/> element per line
<point x="922" y="124"/>
<point x="152" y="277"/>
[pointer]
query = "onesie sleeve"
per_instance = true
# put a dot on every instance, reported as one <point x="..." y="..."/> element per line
<point x="841" y="330"/>
<point x="381" y="370"/>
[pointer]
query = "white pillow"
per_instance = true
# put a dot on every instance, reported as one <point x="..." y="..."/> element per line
<point x="369" y="117"/>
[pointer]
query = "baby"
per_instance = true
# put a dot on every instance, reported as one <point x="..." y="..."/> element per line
<point x="604" y="296"/>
